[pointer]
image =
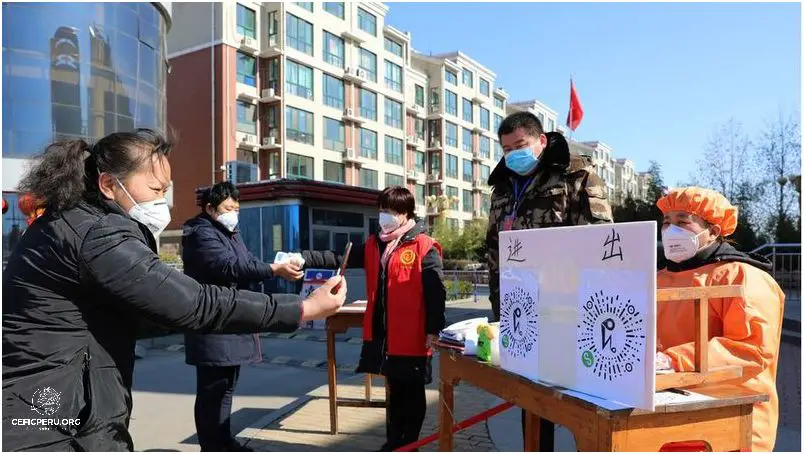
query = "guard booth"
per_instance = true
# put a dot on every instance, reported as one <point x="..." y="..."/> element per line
<point x="292" y="215"/>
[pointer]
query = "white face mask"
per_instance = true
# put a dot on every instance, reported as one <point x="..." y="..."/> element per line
<point x="388" y="222"/>
<point x="228" y="220"/>
<point x="679" y="244"/>
<point x="154" y="214"/>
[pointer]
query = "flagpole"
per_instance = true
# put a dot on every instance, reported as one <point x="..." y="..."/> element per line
<point x="570" y="111"/>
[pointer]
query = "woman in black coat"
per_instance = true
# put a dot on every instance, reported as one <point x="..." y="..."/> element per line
<point x="83" y="276"/>
<point x="213" y="252"/>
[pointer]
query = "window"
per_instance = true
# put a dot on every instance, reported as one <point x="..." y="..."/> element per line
<point x="451" y="102"/>
<point x="467" y="110"/>
<point x="334" y="172"/>
<point x="246" y="117"/>
<point x="452" y="134"/>
<point x="467" y="170"/>
<point x="246" y="69"/>
<point x="419" y="127"/>
<point x="394" y="180"/>
<point x="419" y="95"/>
<point x="468" y="202"/>
<point x="368" y="144"/>
<point x="333" y="92"/>
<point x="299" y="80"/>
<point x="435" y="96"/>
<point x="451" y="77"/>
<point x="485" y="147"/>
<point x="452" y="191"/>
<point x="550" y="125"/>
<point x="485" y="171"/>
<point x="468" y="78"/>
<point x="334" y="8"/>
<point x="541" y="118"/>
<point x="393" y="76"/>
<point x="484" y="86"/>
<point x="485" y="204"/>
<point x="246" y="21"/>
<point x="393" y="113"/>
<point x="366" y="22"/>
<point x="499" y="103"/>
<point x="497" y="120"/>
<point x="393" y="47"/>
<point x="368" y="104"/>
<point x="393" y="150"/>
<point x="273" y="30"/>
<point x="334" y="135"/>
<point x="484" y="118"/>
<point x="418" y="161"/>
<point x="333" y="50"/>
<point x="452" y="166"/>
<point x="306" y="5"/>
<point x="467" y="140"/>
<point x="300" y="34"/>
<point x="435" y="163"/>
<point x="299" y="125"/>
<point x="368" y="63"/>
<point x="418" y="193"/>
<point x="368" y="178"/>
<point x="300" y="166"/>
<point x="498" y="151"/>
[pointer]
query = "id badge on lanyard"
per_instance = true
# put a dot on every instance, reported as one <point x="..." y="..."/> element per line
<point x="508" y="221"/>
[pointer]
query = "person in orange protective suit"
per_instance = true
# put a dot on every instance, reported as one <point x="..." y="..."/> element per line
<point x="742" y="331"/>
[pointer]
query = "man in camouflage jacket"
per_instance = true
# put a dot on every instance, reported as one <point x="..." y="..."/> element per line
<point x="562" y="190"/>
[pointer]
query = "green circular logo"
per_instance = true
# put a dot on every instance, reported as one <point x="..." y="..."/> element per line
<point x="505" y="341"/>
<point x="588" y="359"/>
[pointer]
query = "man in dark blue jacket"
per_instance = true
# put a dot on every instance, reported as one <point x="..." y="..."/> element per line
<point x="214" y="253"/>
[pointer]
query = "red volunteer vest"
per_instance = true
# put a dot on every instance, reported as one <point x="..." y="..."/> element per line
<point x="405" y="305"/>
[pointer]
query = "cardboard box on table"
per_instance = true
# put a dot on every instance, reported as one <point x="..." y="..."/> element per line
<point x="578" y="309"/>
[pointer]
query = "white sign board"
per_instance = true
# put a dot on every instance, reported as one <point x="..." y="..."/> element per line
<point x="578" y="308"/>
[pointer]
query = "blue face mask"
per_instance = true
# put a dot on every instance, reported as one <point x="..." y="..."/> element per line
<point x="521" y="161"/>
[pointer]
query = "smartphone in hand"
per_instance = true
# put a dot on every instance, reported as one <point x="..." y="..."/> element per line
<point x="342" y="270"/>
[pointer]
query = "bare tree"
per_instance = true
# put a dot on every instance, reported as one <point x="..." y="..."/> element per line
<point x="779" y="156"/>
<point x="726" y="162"/>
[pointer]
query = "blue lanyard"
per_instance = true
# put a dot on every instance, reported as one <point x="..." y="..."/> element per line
<point x="518" y="194"/>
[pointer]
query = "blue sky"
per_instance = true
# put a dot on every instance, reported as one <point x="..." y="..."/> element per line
<point x="655" y="79"/>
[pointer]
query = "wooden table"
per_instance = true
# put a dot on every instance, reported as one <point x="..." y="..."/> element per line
<point x="348" y="317"/>
<point x="724" y="422"/>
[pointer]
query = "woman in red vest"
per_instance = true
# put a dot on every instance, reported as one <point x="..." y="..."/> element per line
<point x="405" y="312"/>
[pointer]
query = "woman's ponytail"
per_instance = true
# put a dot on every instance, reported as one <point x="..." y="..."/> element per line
<point x="57" y="179"/>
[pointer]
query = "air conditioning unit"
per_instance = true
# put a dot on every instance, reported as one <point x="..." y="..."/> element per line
<point x="272" y="41"/>
<point x="269" y="141"/>
<point x="268" y="93"/>
<point x="435" y="144"/>
<point x="349" y="71"/>
<point x="250" y="139"/>
<point x="413" y="175"/>
<point x="350" y="154"/>
<point x="361" y="73"/>
<point x="412" y="139"/>
<point x="477" y="214"/>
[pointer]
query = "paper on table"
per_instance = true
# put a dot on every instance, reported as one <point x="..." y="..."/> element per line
<point x="352" y="309"/>
<point x="670" y="398"/>
<point x="612" y="335"/>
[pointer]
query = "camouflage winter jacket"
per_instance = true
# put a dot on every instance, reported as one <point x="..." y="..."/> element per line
<point x="565" y="190"/>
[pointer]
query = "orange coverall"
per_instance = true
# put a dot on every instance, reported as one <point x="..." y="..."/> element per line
<point x="741" y="332"/>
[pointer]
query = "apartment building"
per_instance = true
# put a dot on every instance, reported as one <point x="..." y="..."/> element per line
<point x="546" y="115"/>
<point x="464" y="108"/>
<point x="287" y="90"/>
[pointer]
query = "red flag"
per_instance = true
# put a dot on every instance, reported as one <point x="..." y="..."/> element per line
<point x="575" y="114"/>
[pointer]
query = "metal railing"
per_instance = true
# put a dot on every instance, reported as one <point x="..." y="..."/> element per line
<point x="786" y="263"/>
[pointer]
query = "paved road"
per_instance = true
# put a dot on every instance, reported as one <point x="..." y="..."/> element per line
<point x="164" y="387"/>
